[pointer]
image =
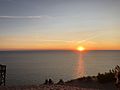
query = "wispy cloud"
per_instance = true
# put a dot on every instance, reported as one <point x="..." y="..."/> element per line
<point x="92" y="36"/>
<point x="87" y="39"/>
<point x="65" y="41"/>
<point x="38" y="17"/>
<point x="25" y="17"/>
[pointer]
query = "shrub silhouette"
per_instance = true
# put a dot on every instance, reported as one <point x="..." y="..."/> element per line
<point x="107" y="77"/>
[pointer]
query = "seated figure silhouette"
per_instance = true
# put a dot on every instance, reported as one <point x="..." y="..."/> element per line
<point x="46" y="82"/>
<point x="50" y="82"/>
<point x="61" y="82"/>
<point x="117" y="76"/>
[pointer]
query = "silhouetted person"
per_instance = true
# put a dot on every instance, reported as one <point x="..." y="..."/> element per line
<point x="50" y="81"/>
<point x="46" y="82"/>
<point x="61" y="82"/>
<point x="117" y="76"/>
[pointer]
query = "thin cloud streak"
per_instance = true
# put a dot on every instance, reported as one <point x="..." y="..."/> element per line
<point x="24" y="17"/>
<point x="66" y="41"/>
<point x="93" y="36"/>
<point x="87" y="39"/>
<point x="39" y="17"/>
<point x="57" y="41"/>
<point x="35" y="17"/>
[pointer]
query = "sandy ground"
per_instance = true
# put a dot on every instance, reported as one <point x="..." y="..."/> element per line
<point x="44" y="87"/>
<point x="75" y="84"/>
<point x="93" y="84"/>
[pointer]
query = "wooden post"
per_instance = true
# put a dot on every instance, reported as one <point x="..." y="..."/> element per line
<point x="2" y="74"/>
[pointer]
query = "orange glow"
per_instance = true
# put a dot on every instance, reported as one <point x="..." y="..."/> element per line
<point x="34" y="43"/>
<point x="80" y="48"/>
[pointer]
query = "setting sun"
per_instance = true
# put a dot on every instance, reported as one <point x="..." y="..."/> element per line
<point x="80" y="48"/>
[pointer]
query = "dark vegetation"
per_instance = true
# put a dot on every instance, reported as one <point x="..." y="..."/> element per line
<point x="105" y="81"/>
<point x="106" y="77"/>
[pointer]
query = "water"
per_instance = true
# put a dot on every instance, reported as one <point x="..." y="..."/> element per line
<point x="33" y="67"/>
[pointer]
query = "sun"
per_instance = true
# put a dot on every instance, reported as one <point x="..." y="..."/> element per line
<point x="80" y="48"/>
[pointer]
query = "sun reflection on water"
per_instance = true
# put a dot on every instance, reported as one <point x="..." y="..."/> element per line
<point x="80" y="67"/>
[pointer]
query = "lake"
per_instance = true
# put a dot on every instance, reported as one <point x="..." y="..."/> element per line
<point x="33" y="67"/>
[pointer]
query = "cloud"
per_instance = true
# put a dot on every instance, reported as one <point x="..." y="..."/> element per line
<point x="66" y="41"/>
<point x="25" y="17"/>
<point x="39" y="17"/>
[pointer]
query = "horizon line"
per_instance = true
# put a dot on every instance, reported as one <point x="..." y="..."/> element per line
<point x="61" y="50"/>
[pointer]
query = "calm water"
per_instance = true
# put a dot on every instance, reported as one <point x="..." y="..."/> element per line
<point x="33" y="67"/>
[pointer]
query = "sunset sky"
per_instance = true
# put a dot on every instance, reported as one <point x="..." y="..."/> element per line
<point x="59" y="24"/>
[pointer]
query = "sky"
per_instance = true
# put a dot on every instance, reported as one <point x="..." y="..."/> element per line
<point x="59" y="24"/>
